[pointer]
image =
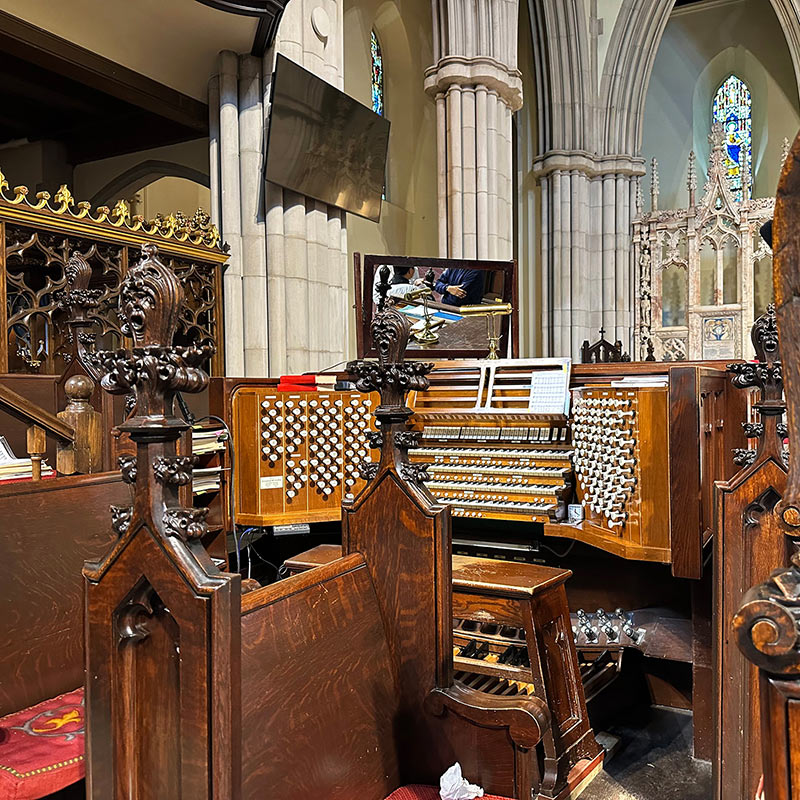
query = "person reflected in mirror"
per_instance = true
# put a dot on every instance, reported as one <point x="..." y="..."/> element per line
<point x="403" y="281"/>
<point x="461" y="287"/>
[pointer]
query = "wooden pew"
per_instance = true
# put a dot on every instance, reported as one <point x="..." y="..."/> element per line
<point x="766" y="626"/>
<point x="48" y="530"/>
<point x="336" y="683"/>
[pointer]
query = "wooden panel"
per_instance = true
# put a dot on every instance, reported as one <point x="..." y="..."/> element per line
<point x="684" y="464"/>
<point x="49" y="530"/>
<point x="748" y="546"/>
<point x="405" y="539"/>
<point x="317" y="689"/>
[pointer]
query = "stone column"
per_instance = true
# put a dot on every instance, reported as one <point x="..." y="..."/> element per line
<point x="477" y="87"/>
<point x="286" y="282"/>
<point x="588" y="206"/>
<point x="307" y="239"/>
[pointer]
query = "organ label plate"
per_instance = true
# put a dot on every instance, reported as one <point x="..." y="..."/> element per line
<point x="272" y="482"/>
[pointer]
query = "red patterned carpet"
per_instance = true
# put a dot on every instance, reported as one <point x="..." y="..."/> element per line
<point x="41" y="748"/>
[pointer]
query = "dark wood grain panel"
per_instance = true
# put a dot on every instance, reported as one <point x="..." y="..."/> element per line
<point x="749" y="545"/>
<point x="48" y="531"/>
<point x="684" y="471"/>
<point x="407" y="548"/>
<point x="312" y="728"/>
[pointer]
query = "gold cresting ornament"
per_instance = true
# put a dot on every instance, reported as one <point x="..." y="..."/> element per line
<point x="197" y="230"/>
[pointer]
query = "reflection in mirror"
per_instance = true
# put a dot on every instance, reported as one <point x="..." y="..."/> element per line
<point x="455" y="306"/>
<point x="674" y="294"/>
<point x="708" y="273"/>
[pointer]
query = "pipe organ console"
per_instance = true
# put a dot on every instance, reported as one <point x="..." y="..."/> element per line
<point x="639" y="450"/>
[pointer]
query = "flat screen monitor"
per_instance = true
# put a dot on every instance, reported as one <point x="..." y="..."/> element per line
<point x="325" y="145"/>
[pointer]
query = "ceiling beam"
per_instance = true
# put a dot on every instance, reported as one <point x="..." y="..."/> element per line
<point x="40" y="47"/>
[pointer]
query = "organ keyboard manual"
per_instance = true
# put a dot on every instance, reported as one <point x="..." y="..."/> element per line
<point x="494" y="436"/>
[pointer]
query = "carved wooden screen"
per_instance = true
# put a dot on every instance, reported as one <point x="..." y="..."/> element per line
<point x="38" y="236"/>
<point x="703" y="272"/>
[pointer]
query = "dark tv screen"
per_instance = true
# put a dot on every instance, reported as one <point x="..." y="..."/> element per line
<point x="324" y="144"/>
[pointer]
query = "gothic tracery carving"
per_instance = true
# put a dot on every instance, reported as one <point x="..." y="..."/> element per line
<point x="702" y="271"/>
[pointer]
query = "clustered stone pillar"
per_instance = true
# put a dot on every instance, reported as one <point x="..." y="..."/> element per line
<point x="286" y="284"/>
<point x="588" y="206"/>
<point x="477" y="87"/>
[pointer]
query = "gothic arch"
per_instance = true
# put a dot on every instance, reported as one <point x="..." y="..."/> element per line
<point x="566" y="102"/>
<point x="142" y="174"/>
<point x="626" y="72"/>
<point x="629" y="62"/>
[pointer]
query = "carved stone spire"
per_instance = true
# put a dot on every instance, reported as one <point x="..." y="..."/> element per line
<point x="744" y="171"/>
<point x="691" y="179"/>
<point x="654" y="187"/>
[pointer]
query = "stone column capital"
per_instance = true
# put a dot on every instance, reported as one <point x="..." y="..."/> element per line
<point x="472" y="72"/>
<point x="589" y="164"/>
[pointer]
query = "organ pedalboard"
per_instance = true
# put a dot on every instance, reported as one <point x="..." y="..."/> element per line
<point x="494" y="658"/>
<point x="511" y="461"/>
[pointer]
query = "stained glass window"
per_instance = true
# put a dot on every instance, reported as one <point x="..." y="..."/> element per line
<point x="377" y="74"/>
<point x="733" y="109"/>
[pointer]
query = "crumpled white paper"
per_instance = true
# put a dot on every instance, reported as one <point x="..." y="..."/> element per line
<point x="453" y="786"/>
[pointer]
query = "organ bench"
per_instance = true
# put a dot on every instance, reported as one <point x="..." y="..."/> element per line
<point x="511" y="631"/>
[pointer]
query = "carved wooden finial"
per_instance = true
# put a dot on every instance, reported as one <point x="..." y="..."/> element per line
<point x="383" y="286"/>
<point x="393" y="378"/>
<point x="78" y="302"/>
<point x="691" y="179"/>
<point x="766" y="376"/>
<point x="150" y="301"/>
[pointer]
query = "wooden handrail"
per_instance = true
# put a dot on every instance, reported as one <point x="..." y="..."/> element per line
<point x="34" y="414"/>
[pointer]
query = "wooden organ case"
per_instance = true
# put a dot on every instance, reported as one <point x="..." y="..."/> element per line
<point x="640" y="452"/>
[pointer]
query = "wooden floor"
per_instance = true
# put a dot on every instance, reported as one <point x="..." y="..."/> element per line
<point x="654" y="761"/>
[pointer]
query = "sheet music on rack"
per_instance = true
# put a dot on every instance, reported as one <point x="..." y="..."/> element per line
<point x="6" y="453"/>
<point x="549" y="392"/>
